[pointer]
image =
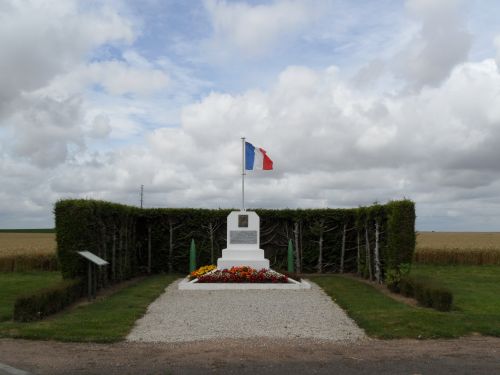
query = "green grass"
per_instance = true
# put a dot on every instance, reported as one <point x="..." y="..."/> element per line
<point x="107" y="320"/>
<point x="476" y="289"/>
<point x="13" y="284"/>
<point x="476" y="307"/>
<point x="476" y="304"/>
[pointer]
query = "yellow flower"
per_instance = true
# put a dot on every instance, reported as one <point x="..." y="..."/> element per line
<point x="201" y="271"/>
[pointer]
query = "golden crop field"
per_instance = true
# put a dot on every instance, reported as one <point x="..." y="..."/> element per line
<point x="458" y="240"/>
<point x="27" y="243"/>
<point x="458" y="248"/>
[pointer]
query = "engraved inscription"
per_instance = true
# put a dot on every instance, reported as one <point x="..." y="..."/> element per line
<point x="240" y="237"/>
<point x="243" y="221"/>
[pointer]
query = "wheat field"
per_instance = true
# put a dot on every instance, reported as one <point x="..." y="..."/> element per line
<point x="27" y="244"/>
<point x="476" y="248"/>
<point x="458" y="240"/>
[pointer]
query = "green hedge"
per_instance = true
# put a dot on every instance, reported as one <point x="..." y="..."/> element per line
<point x="401" y="237"/>
<point x="47" y="301"/>
<point x="123" y="235"/>
<point x="427" y="292"/>
<point x="103" y="228"/>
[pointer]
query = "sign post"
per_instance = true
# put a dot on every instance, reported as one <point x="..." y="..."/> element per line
<point x="92" y="259"/>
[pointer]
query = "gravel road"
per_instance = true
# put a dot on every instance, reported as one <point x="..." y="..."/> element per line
<point x="185" y="315"/>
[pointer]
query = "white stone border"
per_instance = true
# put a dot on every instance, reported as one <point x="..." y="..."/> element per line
<point x="291" y="285"/>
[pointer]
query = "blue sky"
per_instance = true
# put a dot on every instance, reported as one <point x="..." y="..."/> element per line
<point x="181" y="30"/>
<point x="355" y="102"/>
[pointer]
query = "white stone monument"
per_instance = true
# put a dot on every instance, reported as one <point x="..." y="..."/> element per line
<point x="243" y="242"/>
<point x="243" y="249"/>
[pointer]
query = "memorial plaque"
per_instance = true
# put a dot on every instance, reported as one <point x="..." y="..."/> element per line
<point x="243" y="221"/>
<point x="243" y="237"/>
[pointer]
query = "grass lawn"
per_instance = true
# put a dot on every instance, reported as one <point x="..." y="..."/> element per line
<point x="106" y="320"/>
<point x="13" y="284"/>
<point x="476" y="290"/>
<point x="476" y="304"/>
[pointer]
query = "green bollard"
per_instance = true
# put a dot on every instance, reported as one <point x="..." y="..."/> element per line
<point x="192" y="257"/>
<point x="290" y="256"/>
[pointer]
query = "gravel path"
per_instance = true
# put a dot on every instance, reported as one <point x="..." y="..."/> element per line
<point x="189" y="315"/>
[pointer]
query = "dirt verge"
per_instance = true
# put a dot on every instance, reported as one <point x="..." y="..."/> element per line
<point x="478" y="355"/>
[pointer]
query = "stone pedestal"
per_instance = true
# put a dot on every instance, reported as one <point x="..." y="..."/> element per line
<point x="243" y="242"/>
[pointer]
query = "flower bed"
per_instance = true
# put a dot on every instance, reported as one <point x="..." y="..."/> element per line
<point x="243" y="275"/>
<point x="201" y="271"/>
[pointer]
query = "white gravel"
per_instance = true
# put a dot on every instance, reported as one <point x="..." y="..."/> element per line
<point x="192" y="315"/>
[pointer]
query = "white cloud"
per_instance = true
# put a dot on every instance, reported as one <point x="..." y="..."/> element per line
<point x="331" y="144"/>
<point x="334" y="141"/>
<point x="100" y="127"/>
<point x="41" y="41"/>
<point x="497" y="46"/>
<point x="442" y="42"/>
<point x="115" y="77"/>
<point x="119" y="79"/>
<point x="44" y="130"/>
<point x="254" y="29"/>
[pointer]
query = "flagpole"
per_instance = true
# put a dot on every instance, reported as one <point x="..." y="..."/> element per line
<point x="243" y="173"/>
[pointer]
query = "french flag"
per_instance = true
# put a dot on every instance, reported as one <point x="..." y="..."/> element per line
<point x="256" y="158"/>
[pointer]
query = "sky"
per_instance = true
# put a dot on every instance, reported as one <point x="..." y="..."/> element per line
<point x="355" y="101"/>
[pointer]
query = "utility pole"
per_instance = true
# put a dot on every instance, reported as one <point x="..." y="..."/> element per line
<point x="142" y="194"/>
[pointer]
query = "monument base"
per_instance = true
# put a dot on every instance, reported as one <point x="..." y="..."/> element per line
<point x="186" y="284"/>
<point x="236" y="257"/>
<point x="256" y="264"/>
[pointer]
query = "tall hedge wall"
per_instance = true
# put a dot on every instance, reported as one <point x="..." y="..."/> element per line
<point x="105" y="229"/>
<point x="401" y="236"/>
<point x="125" y="236"/>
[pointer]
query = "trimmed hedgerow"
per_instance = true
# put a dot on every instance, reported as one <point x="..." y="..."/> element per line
<point x="427" y="292"/>
<point x="400" y="240"/>
<point x="442" y="298"/>
<point x="401" y="237"/>
<point x="137" y="240"/>
<point x="406" y="287"/>
<point x="105" y="229"/>
<point x="47" y="301"/>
